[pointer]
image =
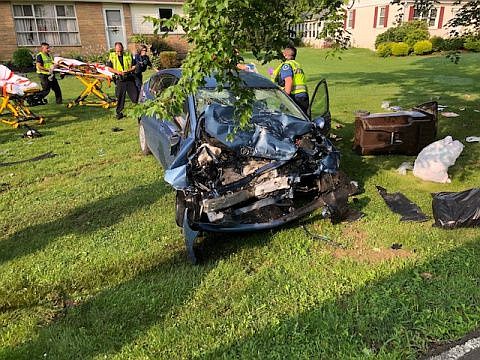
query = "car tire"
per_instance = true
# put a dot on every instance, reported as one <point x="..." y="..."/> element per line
<point x="143" y="140"/>
<point x="180" y="205"/>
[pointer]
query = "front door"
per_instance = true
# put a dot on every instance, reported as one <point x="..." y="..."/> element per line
<point x="319" y="109"/>
<point x="114" y="26"/>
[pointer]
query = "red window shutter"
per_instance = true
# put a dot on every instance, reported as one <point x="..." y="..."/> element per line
<point x="440" y="19"/>
<point x="375" y="17"/>
<point x="385" y="19"/>
<point x="345" y="19"/>
<point x="410" y="14"/>
<point x="353" y="18"/>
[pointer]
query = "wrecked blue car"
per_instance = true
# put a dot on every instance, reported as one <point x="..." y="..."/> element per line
<point x="281" y="168"/>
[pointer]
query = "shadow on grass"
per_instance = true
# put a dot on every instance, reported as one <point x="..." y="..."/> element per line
<point x="398" y="317"/>
<point x="116" y="316"/>
<point x="89" y="218"/>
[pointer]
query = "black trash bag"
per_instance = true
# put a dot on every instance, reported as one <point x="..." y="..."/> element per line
<point x="400" y="204"/>
<point x="456" y="209"/>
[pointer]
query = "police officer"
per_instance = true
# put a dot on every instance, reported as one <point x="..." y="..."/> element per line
<point x="44" y="64"/>
<point x="142" y="61"/>
<point x="122" y="64"/>
<point x="290" y="76"/>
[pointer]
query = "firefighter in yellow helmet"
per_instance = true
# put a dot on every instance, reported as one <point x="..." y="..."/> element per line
<point x="44" y="64"/>
<point x="290" y="76"/>
<point x="122" y="64"/>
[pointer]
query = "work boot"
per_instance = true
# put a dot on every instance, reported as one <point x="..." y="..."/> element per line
<point x="120" y="116"/>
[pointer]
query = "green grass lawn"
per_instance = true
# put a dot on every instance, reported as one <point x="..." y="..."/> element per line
<point x="93" y="266"/>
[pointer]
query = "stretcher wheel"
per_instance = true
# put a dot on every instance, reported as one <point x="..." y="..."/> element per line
<point x="41" y="121"/>
<point x="69" y="105"/>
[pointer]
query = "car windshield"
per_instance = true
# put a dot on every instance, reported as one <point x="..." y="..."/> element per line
<point x="269" y="100"/>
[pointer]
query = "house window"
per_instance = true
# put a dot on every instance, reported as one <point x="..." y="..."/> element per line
<point x="165" y="14"/>
<point x="53" y="24"/>
<point x="428" y="15"/>
<point x="381" y="16"/>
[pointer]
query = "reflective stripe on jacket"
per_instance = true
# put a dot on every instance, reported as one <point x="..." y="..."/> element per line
<point x="299" y="80"/>
<point x="117" y="65"/>
<point x="47" y="63"/>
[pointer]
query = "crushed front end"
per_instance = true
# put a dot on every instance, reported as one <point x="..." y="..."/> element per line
<point x="279" y="170"/>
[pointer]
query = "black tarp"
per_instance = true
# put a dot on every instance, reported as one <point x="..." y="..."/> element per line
<point x="400" y="204"/>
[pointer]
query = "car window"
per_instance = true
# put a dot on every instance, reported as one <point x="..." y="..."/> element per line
<point x="158" y="83"/>
<point x="265" y="101"/>
<point x="182" y="120"/>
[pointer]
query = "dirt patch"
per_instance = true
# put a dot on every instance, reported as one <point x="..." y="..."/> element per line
<point x="360" y="251"/>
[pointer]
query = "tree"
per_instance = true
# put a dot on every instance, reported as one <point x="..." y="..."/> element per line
<point x="217" y="30"/>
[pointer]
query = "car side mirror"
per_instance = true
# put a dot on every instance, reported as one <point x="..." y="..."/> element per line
<point x="319" y="122"/>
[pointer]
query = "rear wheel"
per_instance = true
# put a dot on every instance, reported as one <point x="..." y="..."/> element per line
<point x="143" y="140"/>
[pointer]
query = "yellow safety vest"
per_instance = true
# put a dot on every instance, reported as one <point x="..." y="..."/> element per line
<point x="299" y="80"/>
<point x="47" y="63"/>
<point x="117" y="65"/>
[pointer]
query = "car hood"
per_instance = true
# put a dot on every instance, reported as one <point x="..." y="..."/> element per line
<point x="271" y="135"/>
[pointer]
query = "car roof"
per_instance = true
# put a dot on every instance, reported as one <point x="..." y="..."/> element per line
<point x="251" y="79"/>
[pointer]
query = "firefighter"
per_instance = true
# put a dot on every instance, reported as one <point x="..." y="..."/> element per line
<point x="122" y="64"/>
<point x="290" y="76"/>
<point x="44" y="64"/>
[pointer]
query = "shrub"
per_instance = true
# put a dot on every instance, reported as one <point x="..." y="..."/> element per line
<point x="74" y="55"/>
<point x="422" y="47"/>
<point x="168" y="59"/>
<point x="416" y="35"/>
<point x="453" y="44"/>
<point x="437" y="43"/>
<point x="158" y="45"/>
<point x="384" y="50"/>
<point x="97" y="58"/>
<point x="400" y="49"/>
<point x="411" y="31"/>
<point x="22" y="59"/>
<point x="472" y="45"/>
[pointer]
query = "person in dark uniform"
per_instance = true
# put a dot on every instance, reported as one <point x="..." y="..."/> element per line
<point x="44" y="64"/>
<point x="142" y="61"/>
<point x="290" y="76"/>
<point x="122" y="64"/>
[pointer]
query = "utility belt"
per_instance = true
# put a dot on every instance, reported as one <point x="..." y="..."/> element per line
<point x="298" y="89"/>
<point x="125" y="77"/>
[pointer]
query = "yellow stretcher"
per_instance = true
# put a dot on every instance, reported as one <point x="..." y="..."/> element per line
<point x="92" y="80"/>
<point x="14" y="111"/>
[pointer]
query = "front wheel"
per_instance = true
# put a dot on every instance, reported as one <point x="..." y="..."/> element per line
<point x="143" y="140"/>
<point x="180" y="205"/>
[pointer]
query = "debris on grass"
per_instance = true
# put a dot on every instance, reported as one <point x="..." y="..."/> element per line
<point x="396" y="246"/>
<point x="450" y="114"/>
<point x="402" y="169"/>
<point x="471" y="139"/>
<point x="400" y="204"/>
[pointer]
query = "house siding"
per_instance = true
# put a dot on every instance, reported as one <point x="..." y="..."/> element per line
<point x="7" y="32"/>
<point x="91" y="25"/>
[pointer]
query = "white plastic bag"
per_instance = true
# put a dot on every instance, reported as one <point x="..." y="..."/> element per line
<point x="434" y="160"/>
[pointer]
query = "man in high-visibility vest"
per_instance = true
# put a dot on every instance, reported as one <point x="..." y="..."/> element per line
<point x="290" y="76"/>
<point x="122" y="64"/>
<point x="44" y="64"/>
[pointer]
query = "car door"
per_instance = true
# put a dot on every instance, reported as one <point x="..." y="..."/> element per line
<point x="319" y="109"/>
<point x="163" y="136"/>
